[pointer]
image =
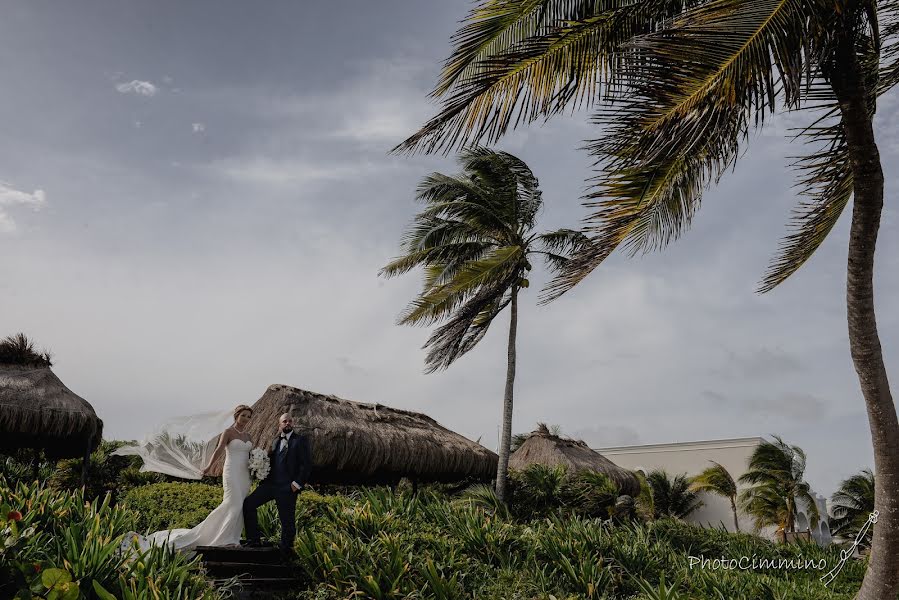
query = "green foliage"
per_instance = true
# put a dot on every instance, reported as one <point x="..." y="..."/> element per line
<point x="172" y="505"/>
<point x="106" y="473"/>
<point x="778" y="488"/>
<point x="671" y="496"/>
<point x="540" y="491"/>
<point x="68" y="548"/>
<point x="852" y="504"/>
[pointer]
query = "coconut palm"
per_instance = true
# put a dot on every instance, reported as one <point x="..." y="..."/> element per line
<point x="718" y="480"/>
<point x="475" y="239"/>
<point x="775" y="474"/>
<point x="672" y="496"/>
<point x="851" y="506"/>
<point x="675" y="126"/>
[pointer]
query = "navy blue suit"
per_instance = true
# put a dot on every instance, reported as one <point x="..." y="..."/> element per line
<point x="293" y="464"/>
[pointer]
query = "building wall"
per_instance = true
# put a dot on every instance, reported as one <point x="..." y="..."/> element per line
<point x="691" y="458"/>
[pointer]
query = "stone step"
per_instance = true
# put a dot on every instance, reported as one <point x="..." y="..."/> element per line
<point x="254" y="571"/>
<point x="270" y="555"/>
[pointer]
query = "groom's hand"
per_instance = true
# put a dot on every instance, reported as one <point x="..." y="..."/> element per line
<point x="295" y="487"/>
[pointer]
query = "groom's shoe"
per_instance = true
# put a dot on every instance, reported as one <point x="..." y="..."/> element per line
<point x="251" y="544"/>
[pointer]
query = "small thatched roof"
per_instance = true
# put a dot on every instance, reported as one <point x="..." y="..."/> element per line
<point x="38" y="411"/>
<point x="542" y="447"/>
<point x="356" y="443"/>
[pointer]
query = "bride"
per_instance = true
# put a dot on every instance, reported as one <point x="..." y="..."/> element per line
<point x="181" y="457"/>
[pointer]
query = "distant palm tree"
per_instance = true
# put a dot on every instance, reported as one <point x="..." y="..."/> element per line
<point x="475" y="239"/>
<point x="717" y="480"/>
<point x="776" y="472"/>
<point x="851" y="505"/>
<point x="672" y="497"/>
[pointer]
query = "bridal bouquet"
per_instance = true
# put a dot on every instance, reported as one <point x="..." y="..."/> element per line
<point x="259" y="463"/>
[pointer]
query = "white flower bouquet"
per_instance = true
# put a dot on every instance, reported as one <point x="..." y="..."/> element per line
<point x="259" y="464"/>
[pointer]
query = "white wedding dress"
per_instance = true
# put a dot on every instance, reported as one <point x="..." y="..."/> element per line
<point x="224" y="525"/>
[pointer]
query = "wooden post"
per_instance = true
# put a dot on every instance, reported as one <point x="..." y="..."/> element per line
<point x="87" y="458"/>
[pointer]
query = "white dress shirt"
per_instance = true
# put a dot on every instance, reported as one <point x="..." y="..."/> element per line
<point x="282" y="444"/>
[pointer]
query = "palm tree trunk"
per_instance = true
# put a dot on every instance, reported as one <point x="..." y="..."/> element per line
<point x="506" y="438"/>
<point x="733" y="507"/>
<point x="882" y="577"/>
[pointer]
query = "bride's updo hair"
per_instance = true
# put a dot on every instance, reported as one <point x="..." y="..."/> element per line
<point x="240" y="408"/>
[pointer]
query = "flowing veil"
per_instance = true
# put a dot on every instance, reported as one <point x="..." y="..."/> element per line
<point x="182" y="446"/>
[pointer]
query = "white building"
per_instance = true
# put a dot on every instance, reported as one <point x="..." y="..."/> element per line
<point x="692" y="458"/>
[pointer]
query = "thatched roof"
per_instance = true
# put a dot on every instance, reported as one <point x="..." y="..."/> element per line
<point x="542" y="447"/>
<point x="356" y="443"/>
<point x="38" y="411"/>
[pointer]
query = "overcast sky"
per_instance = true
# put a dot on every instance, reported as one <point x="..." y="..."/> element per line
<point x="197" y="198"/>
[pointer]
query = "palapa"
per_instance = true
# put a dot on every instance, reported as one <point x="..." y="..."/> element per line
<point x="358" y="443"/>
<point x="542" y="447"/>
<point x="38" y="411"/>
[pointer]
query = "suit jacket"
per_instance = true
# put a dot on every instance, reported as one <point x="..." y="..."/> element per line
<point x="299" y="457"/>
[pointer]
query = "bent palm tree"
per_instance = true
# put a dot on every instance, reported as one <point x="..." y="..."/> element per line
<point x="717" y="480"/>
<point x="675" y="126"/>
<point x="671" y="497"/>
<point x="474" y="239"/>
<point x="776" y="473"/>
<point x="852" y="504"/>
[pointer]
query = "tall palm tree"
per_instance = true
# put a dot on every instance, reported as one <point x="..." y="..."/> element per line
<point x="718" y="480"/>
<point x="675" y="126"/>
<point x="776" y="473"/>
<point x="851" y="505"/>
<point x="672" y="496"/>
<point x="475" y="238"/>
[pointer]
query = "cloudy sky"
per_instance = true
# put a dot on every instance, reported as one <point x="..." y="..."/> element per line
<point x="196" y="199"/>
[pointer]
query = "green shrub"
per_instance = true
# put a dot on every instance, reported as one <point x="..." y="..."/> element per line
<point x="66" y="547"/>
<point x="172" y="505"/>
<point x="106" y="473"/>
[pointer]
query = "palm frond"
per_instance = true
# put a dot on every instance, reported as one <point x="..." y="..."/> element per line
<point x="826" y="177"/>
<point x="888" y="15"/>
<point x="435" y="304"/>
<point x="678" y="124"/>
<point x="468" y="325"/>
<point x="539" y="73"/>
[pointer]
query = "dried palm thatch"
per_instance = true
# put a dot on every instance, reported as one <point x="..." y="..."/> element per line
<point x="543" y="447"/>
<point x="38" y="411"/>
<point x="356" y="443"/>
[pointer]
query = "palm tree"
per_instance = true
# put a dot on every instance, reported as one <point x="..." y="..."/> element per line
<point x="675" y="126"/>
<point x="672" y="497"/>
<point x="851" y="505"/>
<point x="475" y="239"/>
<point x="776" y="471"/>
<point x="717" y="480"/>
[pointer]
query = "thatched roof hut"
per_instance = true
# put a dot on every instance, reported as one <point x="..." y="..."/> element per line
<point x="38" y="411"/>
<point x="542" y="447"/>
<point x="356" y="443"/>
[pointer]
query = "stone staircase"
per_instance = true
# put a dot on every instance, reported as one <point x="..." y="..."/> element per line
<point x="260" y="571"/>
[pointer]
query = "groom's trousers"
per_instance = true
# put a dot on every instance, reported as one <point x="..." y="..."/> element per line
<point x="286" y="500"/>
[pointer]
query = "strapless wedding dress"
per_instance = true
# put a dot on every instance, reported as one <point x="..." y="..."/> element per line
<point x="224" y="525"/>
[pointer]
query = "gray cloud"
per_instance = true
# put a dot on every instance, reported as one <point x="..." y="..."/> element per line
<point x="184" y="270"/>
<point x="137" y="87"/>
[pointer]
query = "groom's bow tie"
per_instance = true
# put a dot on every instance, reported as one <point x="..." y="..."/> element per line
<point x="283" y="436"/>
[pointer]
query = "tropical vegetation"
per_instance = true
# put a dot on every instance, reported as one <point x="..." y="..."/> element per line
<point x="852" y="505"/>
<point x="778" y="490"/>
<point x="671" y="127"/>
<point x="717" y="480"/>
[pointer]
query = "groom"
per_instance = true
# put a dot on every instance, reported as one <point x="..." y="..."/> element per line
<point x="291" y="461"/>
